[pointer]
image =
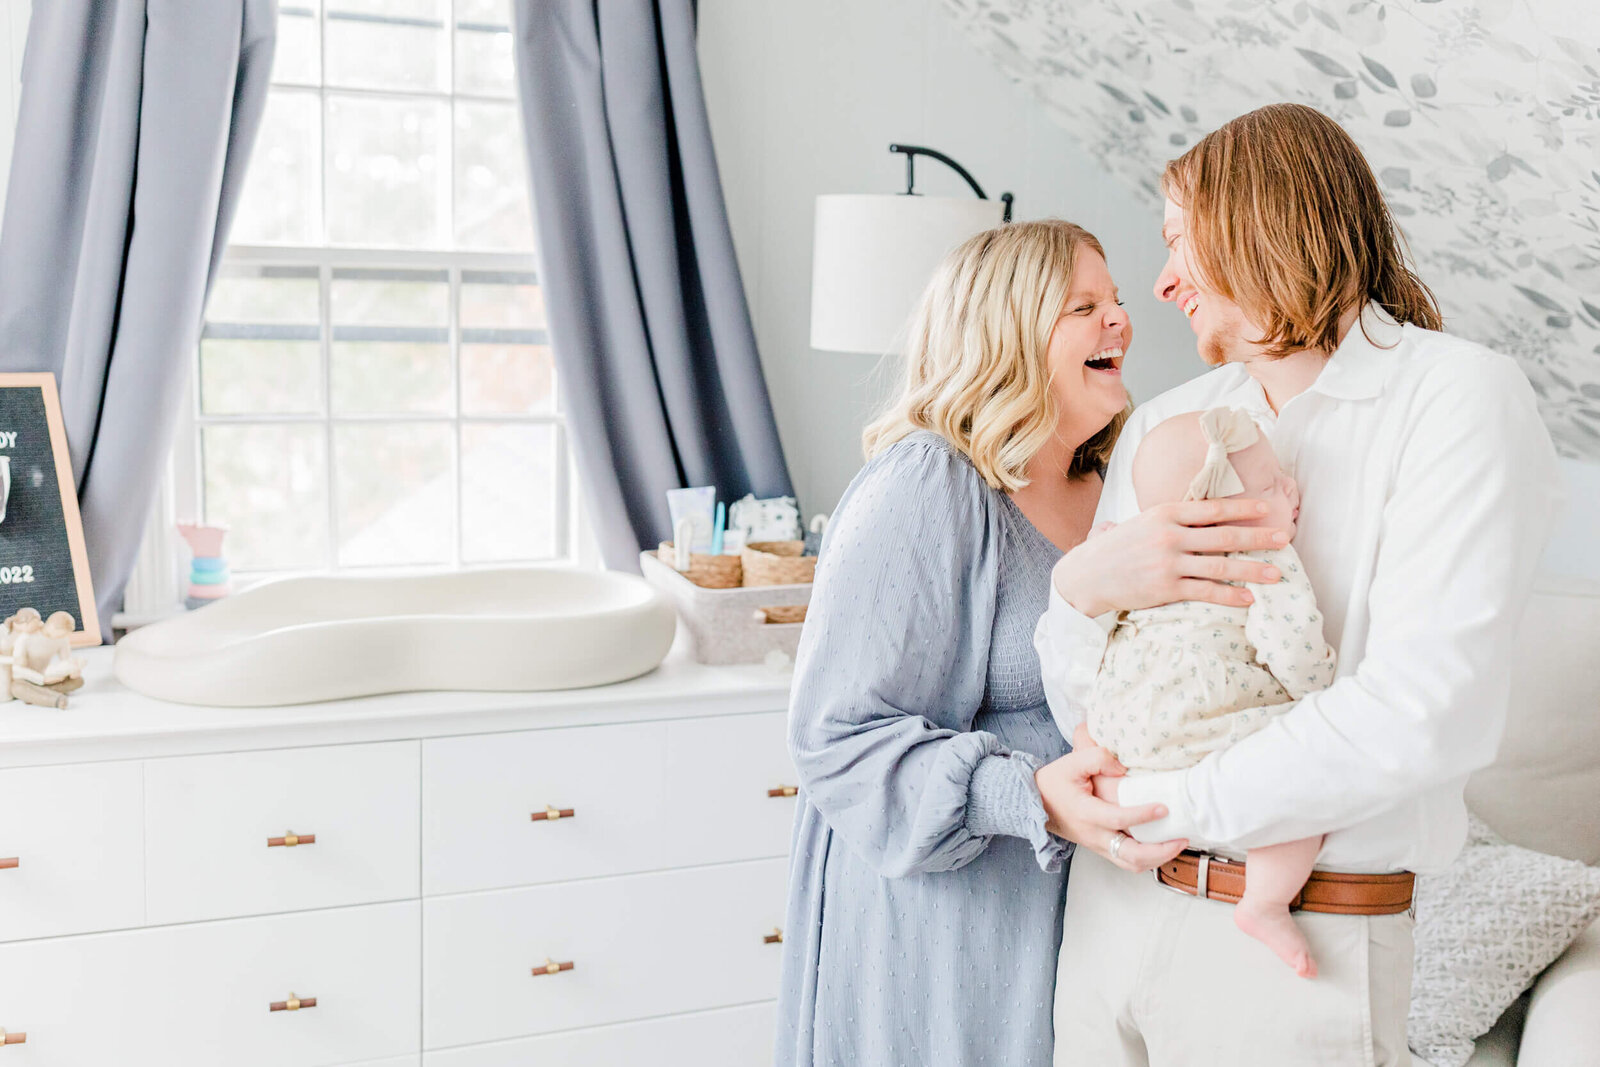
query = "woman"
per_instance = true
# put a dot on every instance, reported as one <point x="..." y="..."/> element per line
<point x="927" y="876"/>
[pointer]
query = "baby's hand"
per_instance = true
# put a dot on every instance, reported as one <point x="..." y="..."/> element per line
<point x="1081" y="738"/>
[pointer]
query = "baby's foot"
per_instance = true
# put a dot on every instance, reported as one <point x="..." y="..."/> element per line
<point x="1273" y="926"/>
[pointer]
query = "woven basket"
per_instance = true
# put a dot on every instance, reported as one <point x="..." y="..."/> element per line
<point x="777" y="563"/>
<point x="707" y="571"/>
<point x="783" y="613"/>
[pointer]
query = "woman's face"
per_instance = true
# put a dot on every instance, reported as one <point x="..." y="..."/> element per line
<point x="1086" y="351"/>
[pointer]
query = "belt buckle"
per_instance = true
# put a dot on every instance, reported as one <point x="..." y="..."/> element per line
<point x="1202" y="878"/>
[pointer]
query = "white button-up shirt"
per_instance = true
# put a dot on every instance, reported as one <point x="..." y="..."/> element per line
<point x="1428" y="486"/>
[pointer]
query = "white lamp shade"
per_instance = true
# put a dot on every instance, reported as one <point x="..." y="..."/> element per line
<point x="873" y="255"/>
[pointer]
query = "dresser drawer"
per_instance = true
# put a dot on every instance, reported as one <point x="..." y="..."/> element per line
<point x="641" y="946"/>
<point x="200" y="995"/>
<point x="209" y="821"/>
<point x="643" y="796"/>
<point x="71" y="849"/>
<point x="725" y="1037"/>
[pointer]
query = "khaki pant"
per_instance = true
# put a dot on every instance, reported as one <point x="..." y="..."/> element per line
<point x="1152" y="978"/>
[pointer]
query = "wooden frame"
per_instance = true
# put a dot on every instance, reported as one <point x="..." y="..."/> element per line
<point x="88" y="615"/>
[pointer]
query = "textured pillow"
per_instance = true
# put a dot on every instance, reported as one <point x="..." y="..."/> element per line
<point x="1485" y="930"/>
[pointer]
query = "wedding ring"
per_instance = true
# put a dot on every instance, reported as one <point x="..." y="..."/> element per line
<point x="1114" y="850"/>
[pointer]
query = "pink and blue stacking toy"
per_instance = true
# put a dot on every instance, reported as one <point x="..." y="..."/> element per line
<point x="208" y="571"/>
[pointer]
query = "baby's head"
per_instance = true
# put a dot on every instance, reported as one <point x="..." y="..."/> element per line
<point x="1171" y="465"/>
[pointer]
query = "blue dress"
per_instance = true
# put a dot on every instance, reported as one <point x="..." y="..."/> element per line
<point x="925" y="895"/>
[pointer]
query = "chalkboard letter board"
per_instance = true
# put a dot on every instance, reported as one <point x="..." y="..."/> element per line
<point x="43" y="563"/>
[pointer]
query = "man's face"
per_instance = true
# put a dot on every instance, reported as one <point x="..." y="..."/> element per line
<point x="1224" y="334"/>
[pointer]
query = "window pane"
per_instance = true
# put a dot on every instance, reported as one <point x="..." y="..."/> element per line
<point x="483" y="62"/>
<point x="245" y="292"/>
<point x="491" y="178"/>
<point x="295" y="58"/>
<point x="269" y="485"/>
<point x="508" y="492"/>
<point x="280" y="202"/>
<point x="368" y="54"/>
<point x="385" y="171"/>
<point x="390" y="298"/>
<point x="390" y="378"/>
<point x="492" y="302"/>
<point x="416" y="9"/>
<point x="256" y="377"/>
<point x="396" y="493"/>
<point x="488" y="12"/>
<point x="507" y="379"/>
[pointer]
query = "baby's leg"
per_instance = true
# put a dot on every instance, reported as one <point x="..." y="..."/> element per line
<point x="1273" y="876"/>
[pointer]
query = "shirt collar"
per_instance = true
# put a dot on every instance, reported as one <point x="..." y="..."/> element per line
<point x="1359" y="367"/>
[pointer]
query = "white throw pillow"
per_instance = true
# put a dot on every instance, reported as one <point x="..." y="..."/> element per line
<point x="1485" y="930"/>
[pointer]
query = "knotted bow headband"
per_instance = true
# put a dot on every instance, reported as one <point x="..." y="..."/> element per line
<point x="1226" y="430"/>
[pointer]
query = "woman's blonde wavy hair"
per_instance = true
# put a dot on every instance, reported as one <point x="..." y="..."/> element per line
<point x="976" y="366"/>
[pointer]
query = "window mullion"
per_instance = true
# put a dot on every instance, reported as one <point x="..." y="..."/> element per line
<point x="325" y="313"/>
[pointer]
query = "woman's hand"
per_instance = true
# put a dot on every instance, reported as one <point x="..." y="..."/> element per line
<point x="1074" y="812"/>
<point x="1166" y="554"/>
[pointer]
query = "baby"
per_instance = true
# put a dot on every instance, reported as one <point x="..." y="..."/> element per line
<point x="1181" y="681"/>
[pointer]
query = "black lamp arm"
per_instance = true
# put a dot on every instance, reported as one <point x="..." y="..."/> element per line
<point x="911" y="153"/>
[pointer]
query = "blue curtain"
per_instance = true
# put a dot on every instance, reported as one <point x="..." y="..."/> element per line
<point x="135" y="125"/>
<point x="653" y="343"/>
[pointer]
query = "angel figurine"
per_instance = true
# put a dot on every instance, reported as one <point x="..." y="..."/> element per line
<point x="40" y="663"/>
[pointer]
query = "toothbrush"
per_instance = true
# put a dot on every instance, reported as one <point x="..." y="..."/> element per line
<point x="718" y="528"/>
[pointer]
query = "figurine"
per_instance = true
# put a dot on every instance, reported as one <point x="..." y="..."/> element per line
<point x="36" y="663"/>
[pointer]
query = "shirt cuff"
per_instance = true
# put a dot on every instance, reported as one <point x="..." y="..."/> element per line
<point x="1068" y="623"/>
<point x="1003" y="799"/>
<point x="1160" y="787"/>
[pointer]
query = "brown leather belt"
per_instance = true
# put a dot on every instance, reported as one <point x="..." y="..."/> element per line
<point x="1215" y="878"/>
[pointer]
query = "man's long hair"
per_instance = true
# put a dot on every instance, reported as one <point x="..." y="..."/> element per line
<point x="1283" y="216"/>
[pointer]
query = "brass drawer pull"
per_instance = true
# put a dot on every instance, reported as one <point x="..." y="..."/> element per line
<point x="774" y="938"/>
<point x="291" y="840"/>
<point x="294" y="1003"/>
<point x="551" y="813"/>
<point x="12" y="1039"/>
<point x="9" y="862"/>
<point x="552" y="967"/>
<point x="784" y="791"/>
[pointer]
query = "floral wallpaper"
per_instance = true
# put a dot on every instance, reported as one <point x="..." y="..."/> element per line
<point x="1481" y="118"/>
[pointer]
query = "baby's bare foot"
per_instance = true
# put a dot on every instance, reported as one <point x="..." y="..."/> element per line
<point x="1273" y="926"/>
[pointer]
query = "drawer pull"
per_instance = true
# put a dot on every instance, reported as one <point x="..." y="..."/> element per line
<point x="9" y="862"/>
<point x="551" y="813"/>
<point x="12" y="1039"/>
<point x="294" y="1003"/>
<point x="552" y="967"/>
<point x="774" y="938"/>
<point x="291" y="840"/>
<point x="784" y="791"/>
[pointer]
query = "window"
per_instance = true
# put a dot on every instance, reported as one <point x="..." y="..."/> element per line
<point x="374" y="387"/>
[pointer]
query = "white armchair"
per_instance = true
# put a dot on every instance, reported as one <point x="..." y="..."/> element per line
<point x="1543" y="793"/>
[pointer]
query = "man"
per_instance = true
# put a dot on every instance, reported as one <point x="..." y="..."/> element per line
<point x="1428" y="484"/>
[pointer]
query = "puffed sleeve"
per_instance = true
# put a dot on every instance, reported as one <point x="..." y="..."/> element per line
<point x="892" y="667"/>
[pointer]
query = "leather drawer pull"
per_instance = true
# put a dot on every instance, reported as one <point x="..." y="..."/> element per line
<point x="10" y="863"/>
<point x="551" y="813"/>
<point x="784" y="791"/>
<point x="552" y="967"/>
<point x="774" y="938"/>
<point x="294" y="1003"/>
<point x="291" y="840"/>
<point x="17" y="1038"/>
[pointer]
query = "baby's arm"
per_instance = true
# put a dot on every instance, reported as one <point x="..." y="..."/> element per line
<point x="1285" y="627"/>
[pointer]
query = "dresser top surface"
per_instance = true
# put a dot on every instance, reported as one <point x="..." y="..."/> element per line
<point x="106" y="720"/>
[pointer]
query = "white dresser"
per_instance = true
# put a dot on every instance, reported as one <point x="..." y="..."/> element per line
<point x="440" y="879"/>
